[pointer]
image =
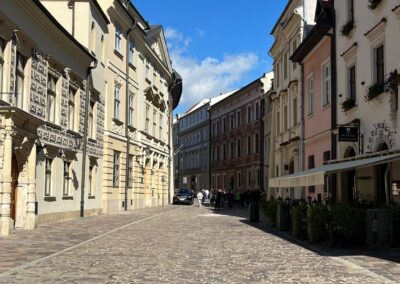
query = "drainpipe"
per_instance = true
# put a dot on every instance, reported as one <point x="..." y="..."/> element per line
<point x="209" y="147"/>
<point x="128" y="140"/>
<point x="301" y="156"/>
<point x="71" y="5"/>
<point x="261" y="146"/>
<point x="85" y="135"/>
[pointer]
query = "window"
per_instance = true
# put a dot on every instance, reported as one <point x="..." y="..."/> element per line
<point x="71" y="108"/>
<point x="223" y="152"/>
<point x="285" y="117"/>
<point x="232" y="150"/>
<point x="248" y="114"/>
<point x="116" y="169"/>
<point x="117" y="100"/>
<point x="294" y="111"/>
<point x="248" y="178"/>
<point x="311" y="163"/>
<point x="232" y="120"/>
<point x="147" y="71"/>
<point x="93" y="37"/>
<point x="51" y="98"/>
<point x="1" y="64"/>
<point x="257" y="143"/>
<point x="258" y="177"/>
<point x="90" y="191"/>
<point x="20" y="80"/>
<point x="66" y="178"/>
<point x="278" y="70"/>
<point x="238" y="119"/>
<point x="154" y="123"/>
<point x="326" y="84"/>
<point x="146" y="127"/>
<point x="379" y="65"/>
<point x="47" y="189"/>
<point x="285" y="66"/>
<point x="352" y="82"/>
<point x="130" y="171"/>
<point x="248" y="145"/>
<point x="160" y="127"/>
<point x="350" y="12"/>
<point x="310" y="95"/>
<point x="224" y="124"/>
<point x="131" y="52"/>
<point x="218" y="153"/>
<point x="238" y="179"/>
<point x="103" y="48"/>
<point x="326" y="156"/>
<point x="257" y="111"/>
<point x="91" y="122"/>
<point x="130" y="113"/>
<point x="238" y="148"/>
<point x="278" y="125"/>
<point x="118" y="38"/>
<point x="294" y="44"/>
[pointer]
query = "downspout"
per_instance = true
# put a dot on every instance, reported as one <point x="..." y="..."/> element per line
<point x="71" y="5"/>
<point x="301" y="158"/>
<point x="261" y="146"/>
<point x="128" y="140"/>
<point x="85" y="135"/>
<point x="333" y="101"/>
<point x="209" y="147"/>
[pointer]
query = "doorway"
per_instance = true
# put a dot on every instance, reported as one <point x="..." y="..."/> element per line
<point x="382" y="178"/>
<point x="349" y="178"/>
<point x="14" y="184"/>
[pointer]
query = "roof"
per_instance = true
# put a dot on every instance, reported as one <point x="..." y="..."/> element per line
<point x="197" y="106"/>
<point x="103" y="15"/>
<point x="281" y="16"/>
<point x="220" y="97"/>
<point x="62" y="29"/>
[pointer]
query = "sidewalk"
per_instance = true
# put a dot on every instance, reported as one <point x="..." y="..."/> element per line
<point x="26" y="246"/>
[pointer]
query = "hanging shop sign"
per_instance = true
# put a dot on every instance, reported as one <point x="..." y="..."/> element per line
<point x="348" y="134"/>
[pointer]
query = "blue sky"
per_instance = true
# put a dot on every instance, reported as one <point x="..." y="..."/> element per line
<point x="216" y="45"/>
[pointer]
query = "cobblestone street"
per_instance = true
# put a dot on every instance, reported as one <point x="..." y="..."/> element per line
<point x="175" y="245"/>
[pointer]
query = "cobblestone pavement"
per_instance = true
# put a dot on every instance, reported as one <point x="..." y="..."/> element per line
<point x="186" y="245"/>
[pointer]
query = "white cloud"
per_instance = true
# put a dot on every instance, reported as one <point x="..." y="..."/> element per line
<point x="207" y="77"/>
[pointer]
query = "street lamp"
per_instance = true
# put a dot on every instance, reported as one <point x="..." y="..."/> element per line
<point x="78" y="141"/>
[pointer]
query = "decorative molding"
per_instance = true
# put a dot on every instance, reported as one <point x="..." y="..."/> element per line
<point x="376" y="30"/>
<point x="350" y="52"/>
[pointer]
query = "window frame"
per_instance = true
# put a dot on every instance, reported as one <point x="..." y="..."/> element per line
<point x="116" y="165"/>
<point x="19" y="85"/>
<point x="310" y="94"/>
<point x="66" y="178"/>
<point x="326" y="94"/>
<point x="117" y="38"/>
<point x="48" y="169"/>
<point x="51" y="98"/>
<point x="117" y="101"/>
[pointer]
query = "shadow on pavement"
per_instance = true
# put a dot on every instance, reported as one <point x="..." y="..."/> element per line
<point x="391" y="255"/>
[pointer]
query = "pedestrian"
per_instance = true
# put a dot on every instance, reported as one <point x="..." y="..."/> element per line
<point x="200" y="198"/>
<point x="207" y="193"/>
<point x="237" y="198"/>
<point x="218" y="199"/>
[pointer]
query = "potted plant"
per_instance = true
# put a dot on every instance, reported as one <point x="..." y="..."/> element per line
<point x="372" y="4"/>
<point x="373" y="91"/>
<point x="348" y="103"/>
<point x="347" y="28"/>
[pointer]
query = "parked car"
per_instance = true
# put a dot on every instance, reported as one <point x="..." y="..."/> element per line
<point x="183" y="196"/>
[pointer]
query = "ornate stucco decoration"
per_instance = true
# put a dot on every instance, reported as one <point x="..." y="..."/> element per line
<point x="379" y="135"/>
<point x="391" y="86"/>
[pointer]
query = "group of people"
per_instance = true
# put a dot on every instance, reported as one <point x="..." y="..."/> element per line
<point x="219" y="197"/>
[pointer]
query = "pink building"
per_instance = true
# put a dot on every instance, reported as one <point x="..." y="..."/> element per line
<point x="314" y="54"/>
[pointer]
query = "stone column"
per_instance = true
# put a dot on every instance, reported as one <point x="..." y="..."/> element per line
<point x="6" y="223"/>
<point x="31" y="218"/>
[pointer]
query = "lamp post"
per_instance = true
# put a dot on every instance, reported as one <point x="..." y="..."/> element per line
<point x="162" y="181"/>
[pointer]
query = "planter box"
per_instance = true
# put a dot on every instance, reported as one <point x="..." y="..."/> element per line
<point x="283" y="217"/>
<point x="379" y="228"/>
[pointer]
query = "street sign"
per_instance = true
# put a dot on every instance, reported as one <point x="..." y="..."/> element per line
<point x="348" y="134"/>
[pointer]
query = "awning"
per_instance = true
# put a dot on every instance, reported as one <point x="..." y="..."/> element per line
<point x="316" y="176"/>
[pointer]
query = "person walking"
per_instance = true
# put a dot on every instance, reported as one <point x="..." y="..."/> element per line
<point x="199" y="197"/>
<point x="218" y="200"/>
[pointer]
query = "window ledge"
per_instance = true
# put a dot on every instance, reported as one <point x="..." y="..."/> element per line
<point x="326" y="106"/>
<point x="148" y="81"/>
<point x="50" y="198"/>
<point x="118" y="53"/>
<point x="92" y="140"/>
<point x="91" y="197"/>
<point x="117" y="121"/>
<point x="132" y="66"/>
<point x="68" y="198"/>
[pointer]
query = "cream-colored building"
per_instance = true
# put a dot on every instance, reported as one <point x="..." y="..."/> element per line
<point x="138" y="81"/>
<point x="286" y="125"/>
<point x="45" y="82"/>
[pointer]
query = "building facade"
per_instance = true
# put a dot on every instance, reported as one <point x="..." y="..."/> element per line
<point x="236" y="139"/>
<point x="267" y="118"/>
<point x="45" y="83"/>
<point x="367" y="54"/>
<point x="315" y="56"/>
<point x="193" y="157"/>
<point x="286" y="149"/>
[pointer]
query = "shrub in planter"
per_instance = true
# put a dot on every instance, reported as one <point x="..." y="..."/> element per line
<point x="299" y="220"/>
<point x="373" y="91"/>
<point x="317" y="222"/>
<point x="347" y="104"/>
<point x="347" y="28"/>
<point x="347" y="223"/>
<point x="372" y="4"/>
<point x="270" y="208"/>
